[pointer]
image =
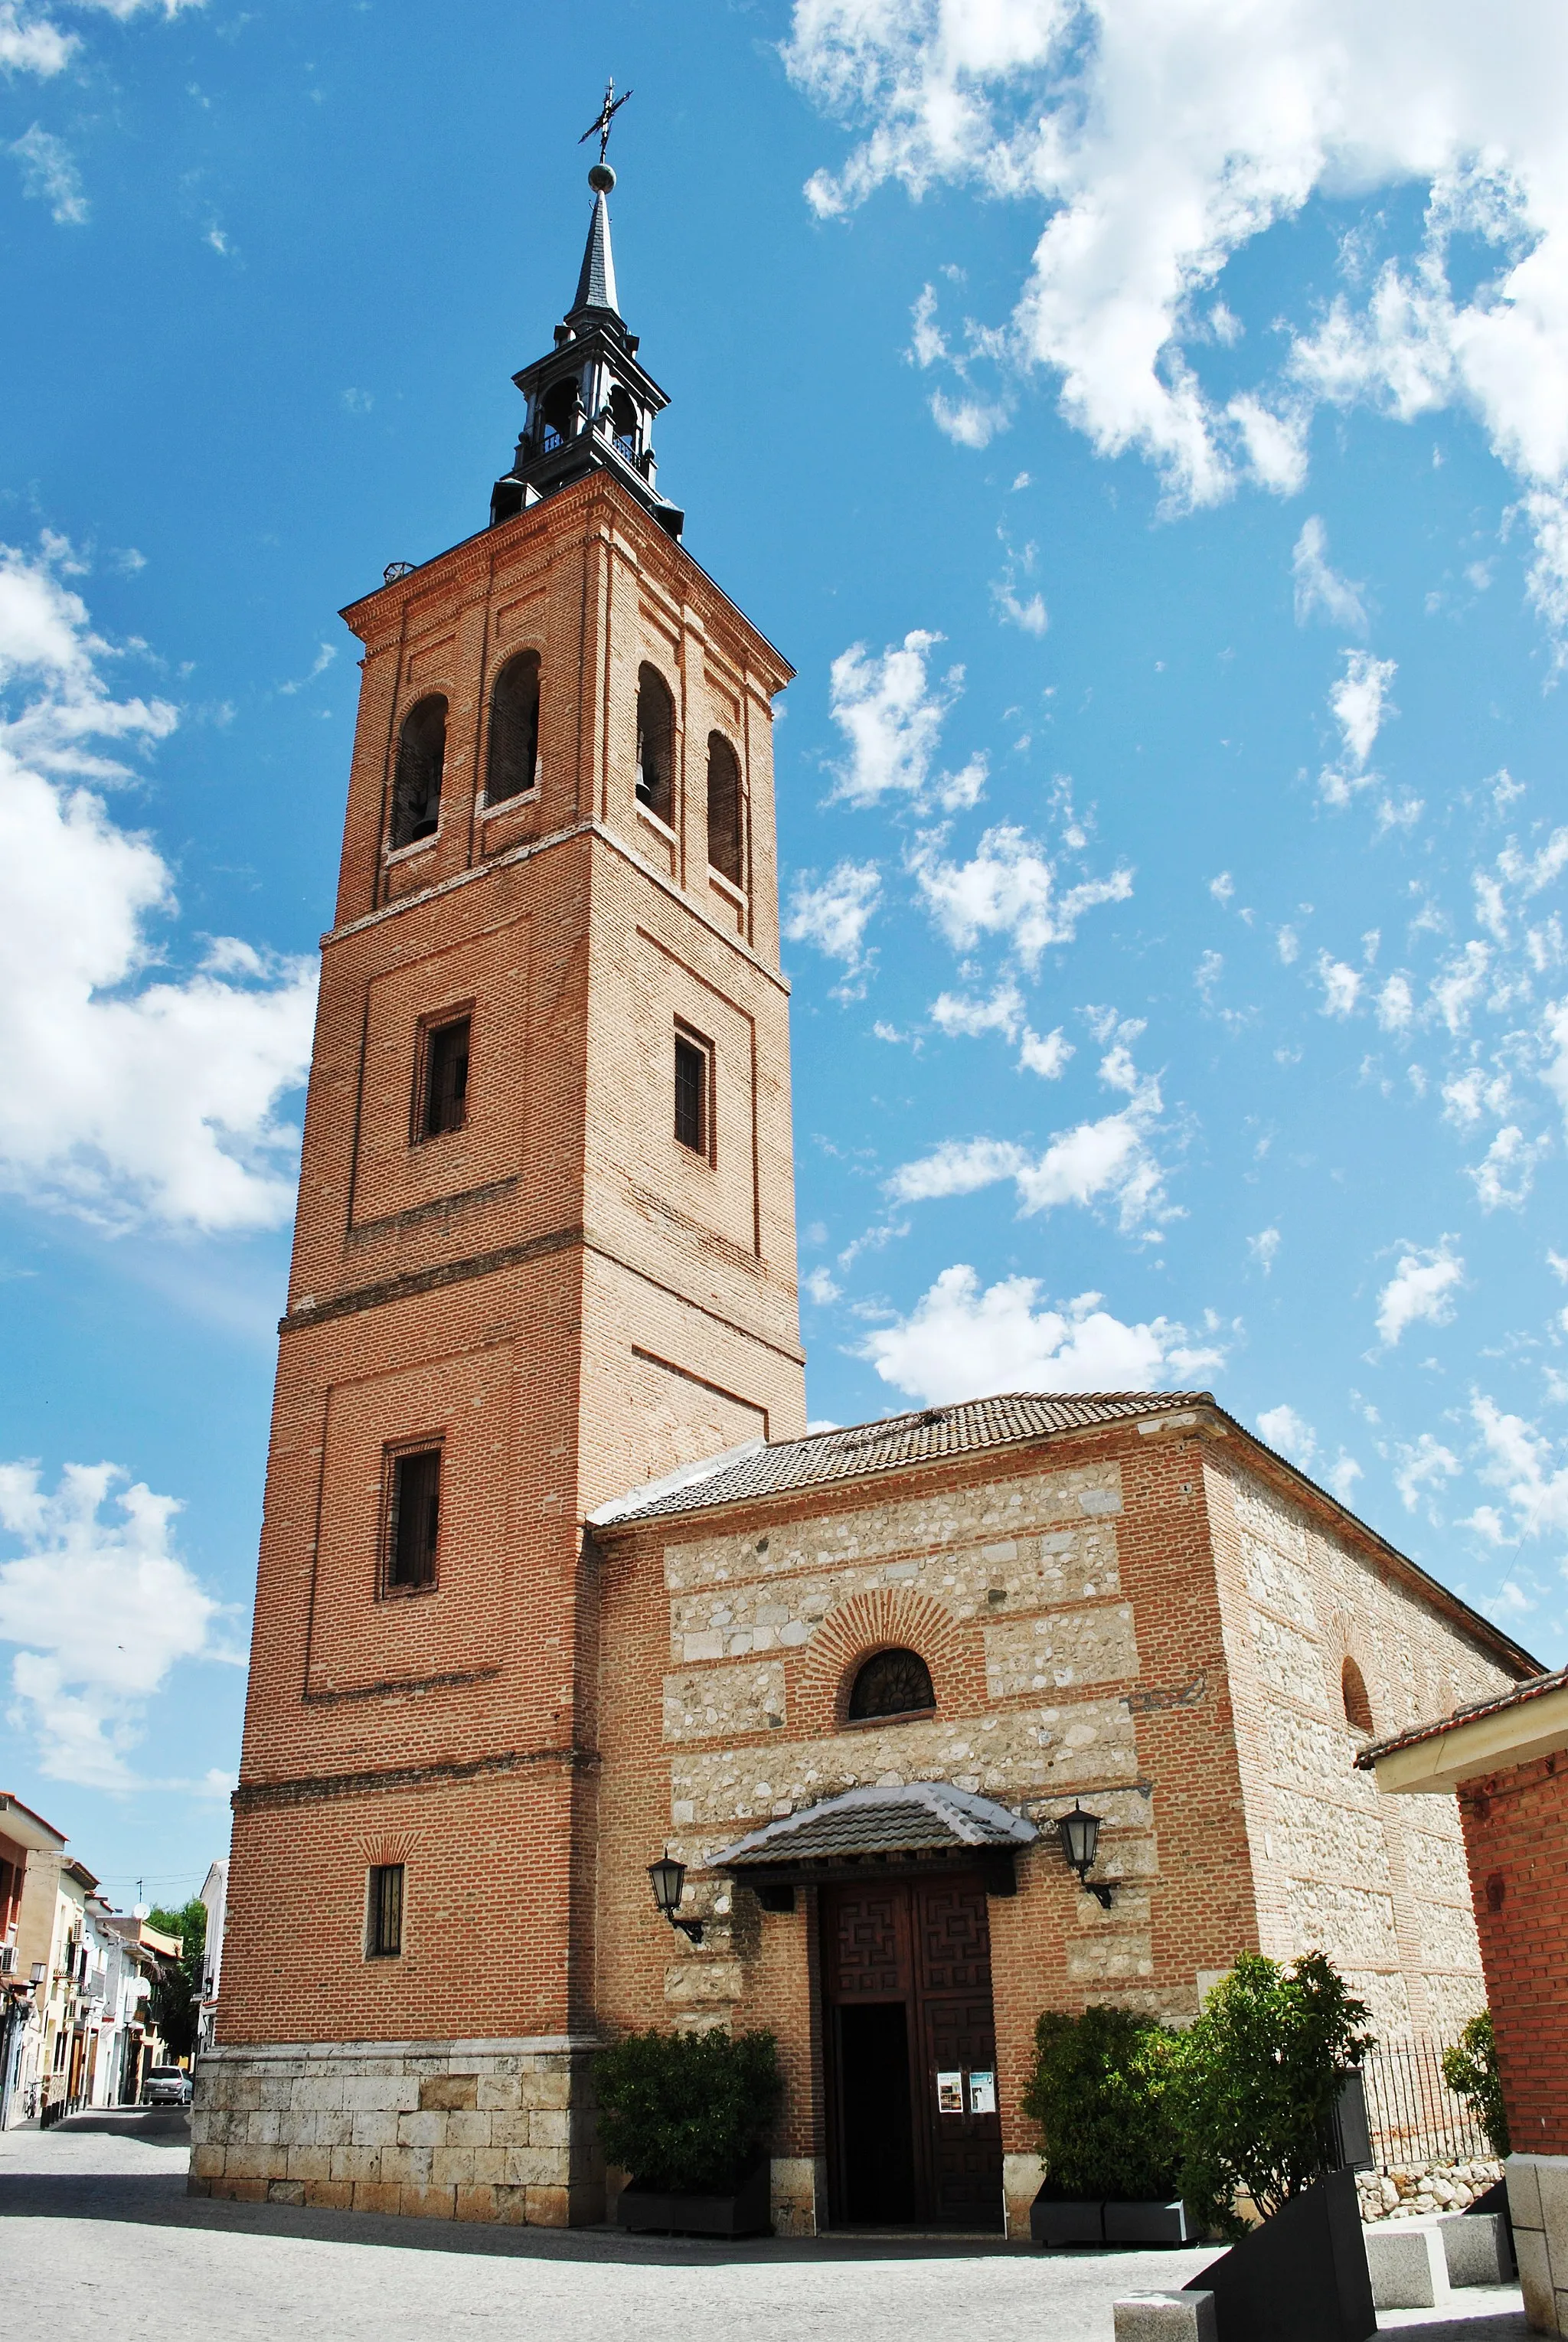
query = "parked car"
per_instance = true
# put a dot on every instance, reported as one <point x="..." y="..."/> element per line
<point x="167" y="2086"/>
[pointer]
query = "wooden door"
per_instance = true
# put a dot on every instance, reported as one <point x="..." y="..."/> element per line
<point x="906" y="1987"/>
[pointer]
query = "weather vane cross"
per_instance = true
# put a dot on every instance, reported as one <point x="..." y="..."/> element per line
<point x="600" y="127"/>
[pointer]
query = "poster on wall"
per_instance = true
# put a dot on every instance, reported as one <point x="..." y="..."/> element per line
<point x="950" y="2094"/>
<point x="982" y="2092"/>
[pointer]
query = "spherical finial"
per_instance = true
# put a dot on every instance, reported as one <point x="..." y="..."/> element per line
<point x="601" y="178"/>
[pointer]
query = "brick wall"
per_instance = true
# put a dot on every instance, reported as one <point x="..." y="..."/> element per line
<point x="1516" y="1844"/>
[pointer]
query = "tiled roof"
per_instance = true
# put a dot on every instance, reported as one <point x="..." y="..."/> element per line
<point x="1497" y="1705"/>
<point x="924" y="1816"/>
<point x="774" y="1469"/>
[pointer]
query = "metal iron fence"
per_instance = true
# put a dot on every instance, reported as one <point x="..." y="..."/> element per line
<point x="1413" y="2114"/>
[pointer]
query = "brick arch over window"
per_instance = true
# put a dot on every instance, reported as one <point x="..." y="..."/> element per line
<point x="888" y="1620"/>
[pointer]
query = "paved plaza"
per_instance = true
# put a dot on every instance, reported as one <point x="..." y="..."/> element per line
<point x="95" y="2225"/>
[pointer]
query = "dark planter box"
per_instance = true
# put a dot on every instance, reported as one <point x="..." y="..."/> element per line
<point x="744" y="2213"/>
<point x="1149" y="2224"/>
<point x="1300" y="2277"/>
<point x="1053" y="2222"/>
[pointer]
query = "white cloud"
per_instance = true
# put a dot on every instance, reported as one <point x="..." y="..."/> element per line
<point x="126" y="1098"/>
<point x="1421" y="1472"/>
<point x="49" y="173"/>
<point x="960" y="1341"/>
<point x="33" y="46"/>
<point x="968" y="421"/>
<point x="319" y="664"/>
<point x="1506" y="1173"/>
<point x="1319" y="591"/>
<point x="1283" y="1428"/>
<point x="1110" y="1162"/>
<point x="1008" y="887"/>
<point x="1223" y="887"/>
<point x="1154" y="145"/>
<point x="1046" y="1054"/>
<point x="819" y="1287"/>
<point x="1031" y="616"/>
<point x="1359" y="701"/>
<point x="890" y="714"/>
<point x="1520" y="1461"/>
<point x="1340" y="985"/>
<point x="1263" y="1247"/>
<point x="834" y="915"/>
<point x="100" y="1609"/>
<point x="1421" y="1291"/>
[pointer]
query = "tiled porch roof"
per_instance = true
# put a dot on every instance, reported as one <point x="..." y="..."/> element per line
<point x="920" y="1818"/>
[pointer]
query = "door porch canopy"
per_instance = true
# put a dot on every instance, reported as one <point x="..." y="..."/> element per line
<point x="926" y="1824"/>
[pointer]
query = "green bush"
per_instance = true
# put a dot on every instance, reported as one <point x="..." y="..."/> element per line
<point x="688" y="2112"/>
<point x="1256" y="2080"/>
<point x="1470" y="2072"/>
<point x="1098" y="2093"/>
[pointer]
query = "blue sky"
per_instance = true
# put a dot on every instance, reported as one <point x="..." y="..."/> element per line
<point x="1145" y="429"/>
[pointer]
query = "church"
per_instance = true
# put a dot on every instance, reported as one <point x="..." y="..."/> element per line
<point x="588" y="1691"/>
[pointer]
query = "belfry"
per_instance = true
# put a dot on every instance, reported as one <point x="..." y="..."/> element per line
<point x="918" y="1727"/>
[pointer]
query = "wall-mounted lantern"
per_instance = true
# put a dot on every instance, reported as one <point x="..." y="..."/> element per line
<point x="40" y="1969"/>
<point x="1080" y="1836"/>
<point x="667" y="1878"/>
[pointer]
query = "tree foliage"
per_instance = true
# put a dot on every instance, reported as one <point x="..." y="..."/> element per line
<point x="1470" y="2069"/>
<point x="174" y="2006"/>
<point x="1099" y="2094"/>
<point x="1257" y="2076"/>
<point x="689" y="2112"/>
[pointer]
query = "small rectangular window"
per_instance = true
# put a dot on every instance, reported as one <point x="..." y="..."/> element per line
<point x="384" y="1912"/>
<point x="692" y="1103"/>
<point x="412" y="1521"/>
<point x="444" y="1100"/>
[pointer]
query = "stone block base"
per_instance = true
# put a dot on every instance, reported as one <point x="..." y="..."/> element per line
<point x="1165" y="2317"/>
<point x="1538" y="2208"/>
<point x="443" y="2130"/>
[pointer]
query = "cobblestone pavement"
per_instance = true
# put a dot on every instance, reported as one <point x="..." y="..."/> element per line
<point x="94" y="2223"/>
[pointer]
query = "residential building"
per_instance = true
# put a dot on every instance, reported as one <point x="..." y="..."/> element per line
<point x="1506" y="1760"/>
<point x="853" y="1683"/>
<point x="215" y="1897"/>
<point x="22" y="1835"/>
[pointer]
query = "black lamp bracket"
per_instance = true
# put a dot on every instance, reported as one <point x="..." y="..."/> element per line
<point x="691" y="1928"/>
<point x="1099" y="1890"/>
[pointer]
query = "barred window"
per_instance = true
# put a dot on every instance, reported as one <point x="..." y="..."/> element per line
<point x="384" y="1912"/>
<point x="442" y="1101"/>
<point x="691" y="1104"/>
<point x="413" y="1525"/>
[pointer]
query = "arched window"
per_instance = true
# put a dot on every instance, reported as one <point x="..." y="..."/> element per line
<point x="623" y="419"/>
<point x="562" y="402"/>
<point x="892" y="1683"/>
<point x="724" y="853"/>
<point x="416" y="787"/>
<point x="655" y="744"/>
<point x="1353" y="1691"/>
<point x="514" y="729"/>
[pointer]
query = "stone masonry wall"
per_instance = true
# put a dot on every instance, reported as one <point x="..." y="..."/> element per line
<point x="1377" y="1882"/>
<point x="1026" y="1591"/>
<point x="472" y="2130"/>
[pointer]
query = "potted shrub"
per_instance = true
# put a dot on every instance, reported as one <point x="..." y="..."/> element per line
<point x="1255" y="2085"/>
<point x="688" y="2115"/>
<point x="1099" y="2092"/>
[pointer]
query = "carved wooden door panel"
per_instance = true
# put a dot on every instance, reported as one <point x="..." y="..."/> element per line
<point x="906" y="1979"/>
<point x="958" y="2037"/>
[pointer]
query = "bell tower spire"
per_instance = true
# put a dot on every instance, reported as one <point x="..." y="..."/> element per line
<point x="591" y="406"/>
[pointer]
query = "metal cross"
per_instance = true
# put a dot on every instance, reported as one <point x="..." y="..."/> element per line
<point x="606" y="114"/>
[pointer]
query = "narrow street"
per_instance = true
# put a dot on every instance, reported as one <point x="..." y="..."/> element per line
<point x="94" y="2222"/>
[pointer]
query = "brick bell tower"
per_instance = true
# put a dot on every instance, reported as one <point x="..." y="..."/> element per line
<point x="546" y="1252"/>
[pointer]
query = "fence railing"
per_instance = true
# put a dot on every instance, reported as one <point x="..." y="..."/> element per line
<point x="1413" y="2114"/>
